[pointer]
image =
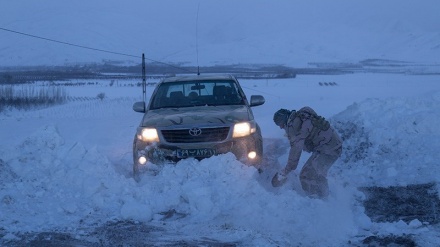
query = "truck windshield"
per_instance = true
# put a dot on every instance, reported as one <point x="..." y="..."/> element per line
<point x="197" y="93"/>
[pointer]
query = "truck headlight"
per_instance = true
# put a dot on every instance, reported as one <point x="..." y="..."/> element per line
<point x="243" y="129"/>
<point x="148" y="135"/>
<point x="142" y="160"/>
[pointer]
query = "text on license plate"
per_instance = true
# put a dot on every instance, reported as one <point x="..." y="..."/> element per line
<point x="203" y="152"/>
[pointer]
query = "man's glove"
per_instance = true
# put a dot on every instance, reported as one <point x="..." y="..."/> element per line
<point x="279" y="179"/>
<point x="281" y="175"/>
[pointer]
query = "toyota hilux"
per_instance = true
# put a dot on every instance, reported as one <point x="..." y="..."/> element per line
<point x="197" y="116"/>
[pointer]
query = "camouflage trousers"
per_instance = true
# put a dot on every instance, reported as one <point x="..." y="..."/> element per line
<point x="313" y="175"/>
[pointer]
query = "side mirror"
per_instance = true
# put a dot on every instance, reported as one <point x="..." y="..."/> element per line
<point x="139" y="106"/>
<point x="257" y="100"/>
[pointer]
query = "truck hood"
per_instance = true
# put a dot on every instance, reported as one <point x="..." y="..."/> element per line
<point x="203" y="115"/>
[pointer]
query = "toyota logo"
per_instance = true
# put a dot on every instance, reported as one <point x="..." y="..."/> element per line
<point x="195" y="131"/>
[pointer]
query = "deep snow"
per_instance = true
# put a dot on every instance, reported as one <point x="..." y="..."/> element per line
<point x="68" y="167"/>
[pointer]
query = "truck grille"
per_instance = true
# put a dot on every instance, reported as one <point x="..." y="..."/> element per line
<point x="207" y="135"/>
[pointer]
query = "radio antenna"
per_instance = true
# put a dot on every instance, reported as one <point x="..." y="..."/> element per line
<point x="197" y="38"/>
<point x="144" y="79"/>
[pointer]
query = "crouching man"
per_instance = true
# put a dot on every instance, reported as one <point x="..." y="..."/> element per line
<point x="312" y="133"/>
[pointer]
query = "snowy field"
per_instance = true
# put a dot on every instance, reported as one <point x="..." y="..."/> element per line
<point x="66" y="169"/>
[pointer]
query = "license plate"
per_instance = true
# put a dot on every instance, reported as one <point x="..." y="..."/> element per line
<point x="202" y="152"/>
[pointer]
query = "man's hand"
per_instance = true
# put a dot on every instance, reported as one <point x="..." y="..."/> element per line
<point x="279" y="179"/>
<point x="283" y="172"/>
<point x="281" y="175"/>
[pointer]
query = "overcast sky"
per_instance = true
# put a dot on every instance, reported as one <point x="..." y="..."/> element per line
<point x="246" y="31"/>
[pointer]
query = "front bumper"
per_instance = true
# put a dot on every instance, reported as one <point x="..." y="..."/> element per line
<point x="157" y="153"/>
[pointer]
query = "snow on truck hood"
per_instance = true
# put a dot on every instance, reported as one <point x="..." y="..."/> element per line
<point x="196" y="115"/>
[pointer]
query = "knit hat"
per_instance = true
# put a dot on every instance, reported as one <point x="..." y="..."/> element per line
<point x="280" y="117"/>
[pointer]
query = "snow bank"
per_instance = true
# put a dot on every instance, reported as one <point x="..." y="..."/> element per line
<point x="60" y="185"/>
<point x="391" y="142"/>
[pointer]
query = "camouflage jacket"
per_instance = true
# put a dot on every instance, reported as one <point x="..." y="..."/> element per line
<point x="312" y="133"/>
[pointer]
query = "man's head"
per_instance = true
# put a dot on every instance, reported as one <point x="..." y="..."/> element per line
<point x="280" y="117"/>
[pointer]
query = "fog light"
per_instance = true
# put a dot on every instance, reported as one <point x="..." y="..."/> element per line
<point x="252" y="155"/>
<point x="142" y="160"/>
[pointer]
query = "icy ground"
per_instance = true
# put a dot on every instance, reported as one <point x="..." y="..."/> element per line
<point x="65" y="172"/>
